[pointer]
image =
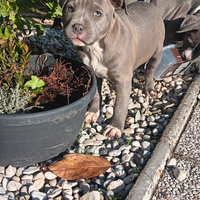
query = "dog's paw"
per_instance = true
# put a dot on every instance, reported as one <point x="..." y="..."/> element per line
<point x="152" y="94"/>
<point x="91" y="117"/>
<point x="111" y="131"/>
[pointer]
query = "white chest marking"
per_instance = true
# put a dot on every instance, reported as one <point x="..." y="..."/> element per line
<point x="93" y="59"/>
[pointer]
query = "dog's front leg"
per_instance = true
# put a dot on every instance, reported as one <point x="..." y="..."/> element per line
<point x="95" y="105"/>
<point x="120" y="110"/>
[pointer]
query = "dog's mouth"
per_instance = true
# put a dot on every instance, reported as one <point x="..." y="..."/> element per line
<point x="77" y="41"/>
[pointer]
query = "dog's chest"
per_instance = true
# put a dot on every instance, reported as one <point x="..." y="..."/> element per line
<point x="93" y="59"/>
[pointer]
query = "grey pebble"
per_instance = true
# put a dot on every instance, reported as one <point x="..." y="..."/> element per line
<point x="52" y="193"/>
<point x="99" y="181"/>
<point x="146" y="154"/>
<point x="138" y="159"/>
<point x="38" y="195"/>
<point x="127" y="180"/>
<point x="85" y="187"/>
<point x="114" y="153"/>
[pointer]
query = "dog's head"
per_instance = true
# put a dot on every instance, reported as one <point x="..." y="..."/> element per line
<point x="87" y="21"/>
<point x="190" y="28"/>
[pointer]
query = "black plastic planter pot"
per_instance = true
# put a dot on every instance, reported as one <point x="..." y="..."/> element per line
<point x="28" y="139"/>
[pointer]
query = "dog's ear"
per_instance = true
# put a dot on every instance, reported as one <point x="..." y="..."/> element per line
<point x="61" y="3"/>
<point x="190" y="23"/>
<point x="117" y="3"/>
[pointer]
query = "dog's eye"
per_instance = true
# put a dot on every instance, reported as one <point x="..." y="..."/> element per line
<point x="71" y="9"/>
<point x="97" y="13"/>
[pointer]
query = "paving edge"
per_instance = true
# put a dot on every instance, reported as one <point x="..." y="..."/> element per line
<point x="148" y="179"/>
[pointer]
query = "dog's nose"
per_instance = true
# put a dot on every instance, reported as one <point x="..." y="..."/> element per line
<point x="78" y="28"/>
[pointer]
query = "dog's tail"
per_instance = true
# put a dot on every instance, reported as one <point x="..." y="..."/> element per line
<point x="154" y="2"/>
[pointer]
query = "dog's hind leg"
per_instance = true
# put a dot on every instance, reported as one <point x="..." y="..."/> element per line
<point x="149" y="74"/>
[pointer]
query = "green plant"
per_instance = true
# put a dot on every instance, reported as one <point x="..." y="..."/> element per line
<point x="113" y="198"/>
<point x="14" y="100"/>
<point x="128" y="142"/>
<point x="11" y="21"/>
<point x="104" y="188"/>
<point x="54" y="9"/>
<point x="145" y="139"/>
<point x="51" y="7"/>
<point x="137" y="169"/>
<point x="82" y="129"/>
<point x="14" y="59"/>
<point x="35" y="83"/>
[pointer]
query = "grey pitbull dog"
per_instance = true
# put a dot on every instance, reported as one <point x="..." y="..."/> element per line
<point x="113" y="44"/>
<point x="182" y="23"/>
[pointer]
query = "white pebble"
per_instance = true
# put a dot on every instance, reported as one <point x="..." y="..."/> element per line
<point x="136" y="144"/>
<point x="13" y="186"/>
<point x="39" y="183"/>
<point x="31" y="170"/>
<point x="114" y="153"/>
<point x="49" y="175"/>
<point x="10" y="171"/>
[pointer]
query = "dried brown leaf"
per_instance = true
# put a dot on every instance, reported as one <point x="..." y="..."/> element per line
<point x="76" y="166"/>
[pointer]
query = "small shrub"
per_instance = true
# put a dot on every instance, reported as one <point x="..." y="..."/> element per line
<point x="14" y="100"/>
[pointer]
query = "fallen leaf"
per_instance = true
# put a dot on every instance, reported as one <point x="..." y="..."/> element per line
<point x="137" y="117"/>
<point x="76" y="166"/>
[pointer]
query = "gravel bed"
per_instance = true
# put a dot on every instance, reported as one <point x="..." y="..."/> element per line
<point x="189" y="142"/>
<point x="146" y="120"/>
<point x="181" y="177"/>
<point x="179" y="182"/>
